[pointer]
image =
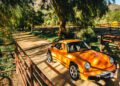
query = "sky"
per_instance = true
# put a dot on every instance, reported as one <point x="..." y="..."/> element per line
<point x="117" y="2"/>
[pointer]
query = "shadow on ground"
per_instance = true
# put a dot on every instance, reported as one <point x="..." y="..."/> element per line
<point x="63" y="78"/>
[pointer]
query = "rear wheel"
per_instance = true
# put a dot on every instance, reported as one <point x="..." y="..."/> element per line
<point x="74" y="72"/>
<point x="49" y="57"/>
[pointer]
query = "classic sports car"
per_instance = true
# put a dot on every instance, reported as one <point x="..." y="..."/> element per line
<point x="81" y="60"/>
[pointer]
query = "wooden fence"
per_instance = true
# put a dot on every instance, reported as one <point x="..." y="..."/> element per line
<point x="30" y="74"/>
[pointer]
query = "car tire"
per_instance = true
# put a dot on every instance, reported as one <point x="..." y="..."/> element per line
<point x="49" y="57"/>
<point x="74" y="71"/>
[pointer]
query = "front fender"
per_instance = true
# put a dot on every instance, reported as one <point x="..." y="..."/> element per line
<point x="78" y="62"/>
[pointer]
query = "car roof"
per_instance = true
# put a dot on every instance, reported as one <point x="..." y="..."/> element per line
<point x="69" y="40"/>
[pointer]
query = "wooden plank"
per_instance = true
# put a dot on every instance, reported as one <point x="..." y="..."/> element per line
<point x="33" y="70"/>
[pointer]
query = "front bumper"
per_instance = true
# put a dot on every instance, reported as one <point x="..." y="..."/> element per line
<point x="105" y="74"/>
<point x="99" y="73"/>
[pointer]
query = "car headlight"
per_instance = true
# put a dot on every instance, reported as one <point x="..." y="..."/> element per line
<point x="111" y="60"/>
<point x="87" y="65"/>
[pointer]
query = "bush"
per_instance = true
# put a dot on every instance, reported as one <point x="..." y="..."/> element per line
<point x="87" y="35"/>
<point x="6" y="63"/>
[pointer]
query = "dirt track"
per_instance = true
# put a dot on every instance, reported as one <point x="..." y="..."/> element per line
<point x="58" y="74"/>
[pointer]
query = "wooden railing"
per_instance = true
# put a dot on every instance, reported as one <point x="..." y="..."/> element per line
<point x="111" y="39"/>
<point x="113" y="25"/>
<point x="30" y="74"/>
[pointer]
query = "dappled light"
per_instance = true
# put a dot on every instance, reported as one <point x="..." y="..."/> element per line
<point x="59" y="43"/>
<point x="56" y="72"/>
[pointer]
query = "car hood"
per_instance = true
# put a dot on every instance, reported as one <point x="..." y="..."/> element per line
<point x="96" y="59"/>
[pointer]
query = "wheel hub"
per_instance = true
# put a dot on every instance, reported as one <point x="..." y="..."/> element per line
<point x="73" y="71"/>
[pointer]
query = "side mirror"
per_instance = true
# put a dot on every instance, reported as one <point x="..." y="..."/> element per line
<point x="52" y="46"/>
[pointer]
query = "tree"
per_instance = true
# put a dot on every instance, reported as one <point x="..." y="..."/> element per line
<point x="64" y="11"/>
<point x="30" y="18"/>
<point x="83" y="11"/>
<point x="112" y="16"/>
<point x="10" y="9"/>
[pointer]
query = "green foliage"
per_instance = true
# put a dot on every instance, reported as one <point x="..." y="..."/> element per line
<point x="6" y="63"/>
<point x="87" y="35"/>
<point x="49" y="16"/>
<point x="81" y="12"/>
<point x="30" y="18"/>
<point x="111" y="16"/>
<point x="21" y="13"/>
<point x="6" y="60"/>
<point x="37" y="18"/>
<point x="77" y="12"/>
<point x="10" y="11"/>
<point x="5" y="36"/>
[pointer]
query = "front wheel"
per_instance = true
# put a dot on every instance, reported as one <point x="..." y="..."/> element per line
<point x="74" y="72"/>
<point x="49" y="57"/>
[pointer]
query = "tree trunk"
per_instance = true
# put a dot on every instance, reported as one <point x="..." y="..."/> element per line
<point x="58" y="9"/>
<point x="62" y="30"/>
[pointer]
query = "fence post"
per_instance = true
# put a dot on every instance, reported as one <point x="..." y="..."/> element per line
<point x="31" y="73"/>
<point x="101" y="42"/>
<point x="16" y="58"/>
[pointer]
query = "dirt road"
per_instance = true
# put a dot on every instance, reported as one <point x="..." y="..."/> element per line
<point x="36" y="48"/>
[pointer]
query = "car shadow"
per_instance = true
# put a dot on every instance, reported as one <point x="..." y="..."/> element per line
<point x="109" y="81"/>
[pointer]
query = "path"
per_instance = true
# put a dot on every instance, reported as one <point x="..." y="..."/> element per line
<point x="36" y="48"/>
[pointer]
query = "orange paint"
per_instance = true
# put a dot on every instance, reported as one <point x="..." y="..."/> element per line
<point x="99" y="62"/>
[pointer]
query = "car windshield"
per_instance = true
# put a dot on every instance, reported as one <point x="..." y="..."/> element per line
<point x="77" y="46"/>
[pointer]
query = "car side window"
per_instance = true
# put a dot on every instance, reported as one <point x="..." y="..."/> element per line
<point x="58" y="46"/>
<point x="82" y="45"/>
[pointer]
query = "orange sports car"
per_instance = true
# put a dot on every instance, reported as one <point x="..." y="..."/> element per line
<point x="81" y="60"/>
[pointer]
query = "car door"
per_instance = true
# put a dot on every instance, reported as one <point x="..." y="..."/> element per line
<point x="63" y="54"/>
<point x="56" y="51"/>
<point x="60" y="53"/>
